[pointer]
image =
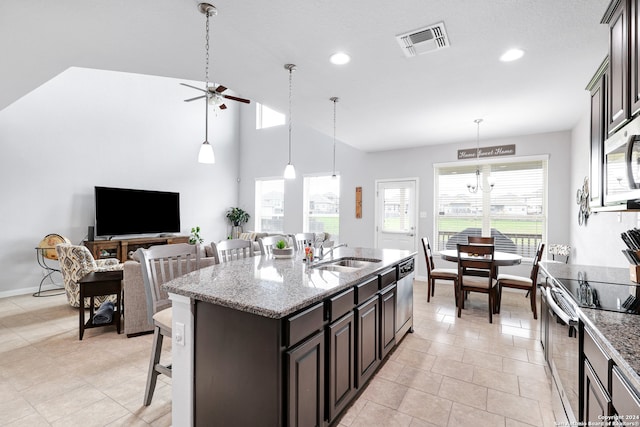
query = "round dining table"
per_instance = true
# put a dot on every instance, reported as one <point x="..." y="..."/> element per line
<point x="500" y="259"/>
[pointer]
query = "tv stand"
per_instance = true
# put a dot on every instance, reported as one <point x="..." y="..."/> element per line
<point x="120" y="248"/>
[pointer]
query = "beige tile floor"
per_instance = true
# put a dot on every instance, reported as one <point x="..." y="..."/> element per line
<point x="450" y="372"/>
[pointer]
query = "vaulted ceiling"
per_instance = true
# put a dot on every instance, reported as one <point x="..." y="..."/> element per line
<point x="387" y="101"/>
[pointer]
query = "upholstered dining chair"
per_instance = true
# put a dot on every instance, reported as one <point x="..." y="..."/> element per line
<point x="160" y="264"/>
<point x="302" y="240"/>
<point x="482" y="240"/>
<point x="476" y="272"/>
<point x="230" y="249"/>
<point x="267" y="243"/>
<point x="434" y="273"/>
<point x="526" y="283"/>
<point x="75" y="263"/>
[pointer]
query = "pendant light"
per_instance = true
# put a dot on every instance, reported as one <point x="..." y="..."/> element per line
<point x="289" y="170"/>
<point x="334" y="99"/>
<point x="471" y="187"/>
<point x="206" y="150"/>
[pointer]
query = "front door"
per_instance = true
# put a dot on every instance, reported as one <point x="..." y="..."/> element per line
<point x="396" y="207"/>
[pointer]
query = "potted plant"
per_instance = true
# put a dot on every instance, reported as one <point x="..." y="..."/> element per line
<point x="195" y="238"/>
<point x="282" y="250"/>
<point x="237" y="216"/>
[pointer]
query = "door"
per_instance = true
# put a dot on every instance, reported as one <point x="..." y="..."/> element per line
<point x="396" y="205"/>
<point x="367" y="340"/>
<point x="341" y="364"/>
<point x="306" y="383"/>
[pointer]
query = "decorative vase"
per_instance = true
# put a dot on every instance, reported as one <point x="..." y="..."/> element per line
<point x="282" y="253"/>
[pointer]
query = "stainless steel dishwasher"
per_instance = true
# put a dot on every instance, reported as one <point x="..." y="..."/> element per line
<point x="404" y="300"/>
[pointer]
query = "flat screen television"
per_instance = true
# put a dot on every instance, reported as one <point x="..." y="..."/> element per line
<point x="122" y="211"/>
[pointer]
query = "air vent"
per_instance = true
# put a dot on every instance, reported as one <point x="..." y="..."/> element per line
<point x="428" y="39"/>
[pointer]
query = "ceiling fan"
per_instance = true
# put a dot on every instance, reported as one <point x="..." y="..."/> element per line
<point x="215" y="96"/>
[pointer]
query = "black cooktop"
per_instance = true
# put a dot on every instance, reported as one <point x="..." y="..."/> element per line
<point x="624" y="298"/>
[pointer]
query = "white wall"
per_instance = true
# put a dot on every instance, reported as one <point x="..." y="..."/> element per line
<point x="599" y="242"/>
<point x="264" y="154"/>
<point x="91" y="127"/>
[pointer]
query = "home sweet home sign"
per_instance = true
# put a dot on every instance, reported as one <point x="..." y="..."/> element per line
<point x="495" y="151"/>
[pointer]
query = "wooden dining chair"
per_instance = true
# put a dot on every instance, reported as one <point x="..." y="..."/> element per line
<point x="476" y="272"/>
<point x="269" y="242"/>
<point x="477" y="239"/>
<point x="518" y="282"/>
<point x="230" y="249"/>
<point x="159" y="264"/>
<point x="434" y="273"/>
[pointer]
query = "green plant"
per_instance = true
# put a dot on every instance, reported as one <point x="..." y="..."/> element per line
<point x="281" y="244"/>
<point x="237" y="216"/>
<point x="195" y="236"/>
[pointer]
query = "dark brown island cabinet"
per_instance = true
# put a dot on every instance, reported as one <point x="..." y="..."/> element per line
<point x="302" y="370"/>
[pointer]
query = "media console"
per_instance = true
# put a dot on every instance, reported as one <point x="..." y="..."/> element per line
<point x="120" y="248"/>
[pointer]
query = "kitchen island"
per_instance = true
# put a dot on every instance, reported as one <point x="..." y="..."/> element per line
<point x="273" y="342"/>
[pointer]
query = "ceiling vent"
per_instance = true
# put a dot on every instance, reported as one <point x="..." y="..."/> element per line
<point x="428" y="39"/>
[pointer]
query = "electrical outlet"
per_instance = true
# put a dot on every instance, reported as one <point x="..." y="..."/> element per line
<point x="178" y="333"/>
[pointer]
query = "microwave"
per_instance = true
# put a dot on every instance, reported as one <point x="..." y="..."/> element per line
<point x="622" y="165"/>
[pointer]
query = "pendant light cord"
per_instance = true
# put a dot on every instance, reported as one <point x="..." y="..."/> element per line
<point x="290" y="75"/>
<point x="335" y="100"/>
<point x="206" y="83"/>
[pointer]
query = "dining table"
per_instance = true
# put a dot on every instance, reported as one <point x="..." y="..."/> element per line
<point x="500" y="259"/>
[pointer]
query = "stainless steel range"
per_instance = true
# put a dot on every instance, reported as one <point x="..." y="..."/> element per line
<point x="560" y="302"/>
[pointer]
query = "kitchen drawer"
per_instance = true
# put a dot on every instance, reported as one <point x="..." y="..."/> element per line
<point x="624" y="398"/>
<point x="388" y="277"/>
<point x="341" y="304"/>
<point x="366" y="290"/>
<point x="303" y="324"/>
<point x="598" y="358"/>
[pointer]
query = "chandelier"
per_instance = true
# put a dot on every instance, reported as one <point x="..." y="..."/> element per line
<point x="473" y="188"/>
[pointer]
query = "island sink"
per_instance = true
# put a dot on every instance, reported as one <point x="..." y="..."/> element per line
<point x="346" y="264"/>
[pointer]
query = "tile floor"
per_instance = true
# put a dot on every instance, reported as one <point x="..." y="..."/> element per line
<point x="449" y="372"/>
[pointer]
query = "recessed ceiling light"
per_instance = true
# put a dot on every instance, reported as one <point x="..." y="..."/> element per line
<point x="512" y="55"/>
<point x="340" y="58"/>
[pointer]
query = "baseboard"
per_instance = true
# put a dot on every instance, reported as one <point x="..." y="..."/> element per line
<point x="28" y="291"/>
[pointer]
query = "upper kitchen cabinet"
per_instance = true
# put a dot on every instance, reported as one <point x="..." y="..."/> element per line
<point x="617" y="16"/>
<point x="597" y="89"/>
<point x="635" y="57"/>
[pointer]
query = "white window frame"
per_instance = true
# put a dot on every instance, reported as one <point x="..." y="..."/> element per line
<point x="305" y="202"/>
<point x="480" y="163"/>
<point x="261" y="114"/>
<point x="258" y="204"/>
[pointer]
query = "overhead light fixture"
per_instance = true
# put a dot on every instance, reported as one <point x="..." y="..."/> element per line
<point x="206" y="150"/>
<point x="289" y="170"/>
<point x="334" y="99"/>
<point x="512" y="55"/>
<point x="340" y="58"/>
<point x="470" y="186"/>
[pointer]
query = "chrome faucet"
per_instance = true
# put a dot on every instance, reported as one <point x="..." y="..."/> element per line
<point x="330" y="251"/>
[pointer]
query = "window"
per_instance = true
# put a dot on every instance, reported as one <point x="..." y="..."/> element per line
<point x="322" y="205"/>
<point x="514" y="212"/>
<point x="269" y="205"/>
<point x="267" y="117"/>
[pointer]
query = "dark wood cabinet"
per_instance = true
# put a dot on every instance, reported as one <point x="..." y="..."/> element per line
<point x="634" y="47"/>
<point x="596" y="399"/>
<point x="305" y="392"/>
<point x="387" y="319"/>
<point x="367" y="339"/>
<point x="121" y="248"/>
<point x="617" y="17"/>
<point x="625" y="401"/>
<point x="597" y="89"/>
<point x="341" y="379"/>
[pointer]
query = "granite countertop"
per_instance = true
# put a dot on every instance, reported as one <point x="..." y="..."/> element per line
<point x="276" y="288"/>
<point x="619" y="333"/>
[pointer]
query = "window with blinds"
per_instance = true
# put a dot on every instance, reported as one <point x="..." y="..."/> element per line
<point x="513" y="212"/>
<point x="269" y="213"/>
<point x="321" y="211"/>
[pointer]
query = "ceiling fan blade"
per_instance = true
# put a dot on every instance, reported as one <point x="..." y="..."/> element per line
<point x="235" y="98"/>
<point x="193" y="87"/>
<point x="222" y="107"/>
<point x="220" y="89"/>
<point x="193" y="99"/>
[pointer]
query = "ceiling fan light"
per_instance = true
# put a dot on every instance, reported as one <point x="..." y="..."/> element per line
<point x="206" y="154"/>
<point x="289" y="172"/>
